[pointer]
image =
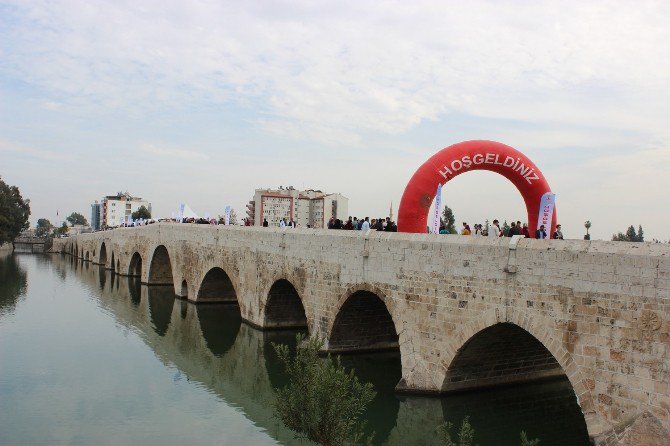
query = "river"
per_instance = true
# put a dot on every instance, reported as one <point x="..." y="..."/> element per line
<point x="88" y="357"/>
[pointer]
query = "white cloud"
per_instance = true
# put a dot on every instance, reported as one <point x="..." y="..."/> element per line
<point x="51" y="105"/>
<point x="173" y="152"/>
<point x="364" y="75"/>
<point x="46" y="155"/>
<point x="337" y="69"/>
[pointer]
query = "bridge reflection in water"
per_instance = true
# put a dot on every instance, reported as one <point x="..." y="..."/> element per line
<point x="211" y="345"/>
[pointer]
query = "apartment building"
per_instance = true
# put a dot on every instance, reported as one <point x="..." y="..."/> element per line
<point x="307" y="208"/>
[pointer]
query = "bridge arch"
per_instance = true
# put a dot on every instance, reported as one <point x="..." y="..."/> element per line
<point x="284" y="307"/>
<point x="465" y="157"/>
<point x="184" y="289"/>
<point x="86" y="256"/>
<point x="494" y="335"/>
<point x="135" y="265"/>
<point x="112" y="265"/>
<point x="160" y="268"/>
<point x="216" y="286"/>
<point x="102" y="259"/>
<point x="501" y="354"/>
<point x="363" y="322"/>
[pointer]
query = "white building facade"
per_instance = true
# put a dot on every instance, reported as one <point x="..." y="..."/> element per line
<point x="308" y="208"/>
<point x="116" y="209"/>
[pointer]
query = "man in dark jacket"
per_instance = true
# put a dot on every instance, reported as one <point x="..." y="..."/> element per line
<point x="513" y="230"/>
<point x="558" y="234"/>
<point x="541" y="233"/>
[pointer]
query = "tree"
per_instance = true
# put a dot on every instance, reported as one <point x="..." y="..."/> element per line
<point x="322" y="402"/>
<point x="14" y="212"/>
<point x="466" y="436"/>
<point x="141" y="213"/>
<point x="232" y="219"/>
<point x="449" y="219"/>
<point x="76" y="218"/>
<point x="587" y="225"/>
<point x="630" y="235"/>
<point x="526" y="442"/>
<point x="62" y="230"/>
<point x="44" y="227"/>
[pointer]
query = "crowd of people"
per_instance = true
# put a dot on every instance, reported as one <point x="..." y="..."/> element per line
<point x="363" y="224"/>
<point x="387" y="225"/>
<point x="197" y="221"/>
<point x="352" y="224"/>
<point x="515" y="228"/>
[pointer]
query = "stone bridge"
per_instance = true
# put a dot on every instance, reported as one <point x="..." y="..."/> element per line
<point x="31" y="244"/>
<point x="464" y="312"/>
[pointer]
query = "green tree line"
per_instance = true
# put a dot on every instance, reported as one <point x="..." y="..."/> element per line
<point x="14" y="212"/>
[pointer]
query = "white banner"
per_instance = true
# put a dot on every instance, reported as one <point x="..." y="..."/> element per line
<point x="435" y="227"/>
<point x="227" y="215"/>
<point x="181" y="211"/>
<point x="546" y="212"/>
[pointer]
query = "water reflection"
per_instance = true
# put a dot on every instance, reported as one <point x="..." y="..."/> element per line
<point x="183" y="309"/>
<point x="161" y="301"/>
<point x="135" y="290"/>
<point x="219" y="324"/>
<point x="212" y="347"/>
<point x="102" y="275"/>
<point x="544" y="410"/>
<point x="384" y="371"/>
<point x="13" y="281"/>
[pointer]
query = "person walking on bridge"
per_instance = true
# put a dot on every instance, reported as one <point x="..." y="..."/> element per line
<point x="494" y="229"/>
<point x="558" y="234"/>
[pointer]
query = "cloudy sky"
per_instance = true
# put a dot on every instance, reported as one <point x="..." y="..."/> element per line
<point x="204" y="101"/>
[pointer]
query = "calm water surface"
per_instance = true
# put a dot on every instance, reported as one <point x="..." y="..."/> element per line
<point x="87" y="357"/>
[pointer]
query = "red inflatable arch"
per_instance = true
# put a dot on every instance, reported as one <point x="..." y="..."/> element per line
<point x="464" y="157"/>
